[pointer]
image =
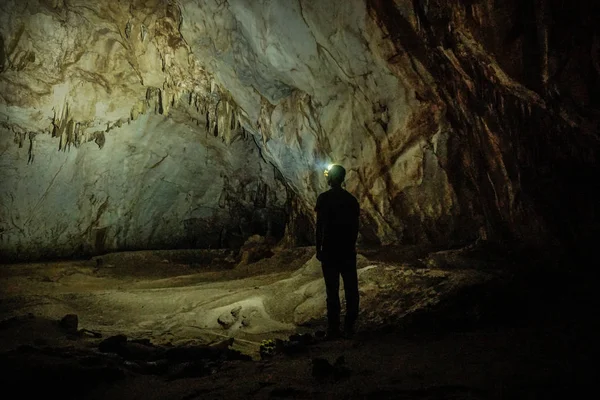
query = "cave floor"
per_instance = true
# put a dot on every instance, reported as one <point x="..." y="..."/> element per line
<point x="465" y="337"/>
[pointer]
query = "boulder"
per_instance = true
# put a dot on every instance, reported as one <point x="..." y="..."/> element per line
<point x="69" y="323"/>
<point x="254" y="249"/>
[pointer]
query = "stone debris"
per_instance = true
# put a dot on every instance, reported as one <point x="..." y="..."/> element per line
<point x="255" y="248"/>
<point x="236" y="311"/>
<point x="112" y="344"/>
<point x="117" y="354"/>
<point x="69" y="323"/>
<point x="144" y="350"/>
<point x="89" y="333"/>
<point x="227" y="319"/>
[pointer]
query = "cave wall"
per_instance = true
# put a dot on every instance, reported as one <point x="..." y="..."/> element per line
<point x="519" y="82"/>
<point x="155" y="183"/>
<point x="99" y="154"/>
<point x="314" y="84"/>
<point x="456" y="120"/>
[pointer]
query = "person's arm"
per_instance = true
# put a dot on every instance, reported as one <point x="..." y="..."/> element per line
<point x="319" y="229"/>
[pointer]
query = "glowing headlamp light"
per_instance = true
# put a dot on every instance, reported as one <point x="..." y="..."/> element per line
<point x="326" y="172"/>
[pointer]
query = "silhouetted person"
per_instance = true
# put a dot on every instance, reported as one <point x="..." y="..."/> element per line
<point x="337" y="229"/>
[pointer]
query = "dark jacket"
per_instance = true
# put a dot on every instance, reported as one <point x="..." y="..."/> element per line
<point x="337" y="224"/>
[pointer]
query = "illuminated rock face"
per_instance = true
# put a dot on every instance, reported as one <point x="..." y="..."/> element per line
<point x="114" y="138"/>
<point x="455" y="120"/>
<point x="315" y="84"/>
<point x="156" y="183"/>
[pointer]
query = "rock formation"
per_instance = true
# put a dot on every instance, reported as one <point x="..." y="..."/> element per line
<point x="159" y="123"/>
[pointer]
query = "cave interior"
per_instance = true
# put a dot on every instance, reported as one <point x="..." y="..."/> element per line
<point x="160" y="162"/>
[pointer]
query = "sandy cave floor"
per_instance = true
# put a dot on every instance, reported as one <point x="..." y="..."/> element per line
<point x="433" y="325"/>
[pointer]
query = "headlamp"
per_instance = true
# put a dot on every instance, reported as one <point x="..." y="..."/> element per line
<point x="326" y="172"/>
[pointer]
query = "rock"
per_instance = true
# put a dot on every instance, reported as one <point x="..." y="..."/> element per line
<point x="88" y="333"/>
<point x="226" y="320"/>
<point x="305" y="339"/>
<point x="138" y="351"/>
<point x="223" y="344"/>
<point x="255" y="240"/>
<point x="114" y="344"/>
<point x="236" y="311"/>
<point x="218" y="352"/>
<point x="145" y="342"/>
<point x="159" y="367"/>
<point x="236" y="355"/>
<point x="254" y="249"/>
<point x="194" y="369"/>
<point x="69" y="323"/>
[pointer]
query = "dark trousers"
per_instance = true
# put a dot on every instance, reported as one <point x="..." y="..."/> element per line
<point x="331" y="272"/>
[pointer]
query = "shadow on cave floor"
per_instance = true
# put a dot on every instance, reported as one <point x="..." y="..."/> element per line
<point x="435" y="324"/>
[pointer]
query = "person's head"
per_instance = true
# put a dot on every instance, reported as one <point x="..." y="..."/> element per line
<point x="336" y="175"/>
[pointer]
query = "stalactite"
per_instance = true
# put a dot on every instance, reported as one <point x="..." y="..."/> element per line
<point x="143" y="32"/>
<point x="214" y="122"/>
<point x="58" y="121"/>
<point x="77" y="135"/>
<point x="136" y="110"/>
<point x="30" y="152"/>
<point x="19" y="138"/>
<point x="99" y="138"/>
<point x="220" y="113"/>
<point x="160" y="102"/>
<point x="155" y="99"/>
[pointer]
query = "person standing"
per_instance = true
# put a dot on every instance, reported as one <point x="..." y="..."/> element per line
<point x="338" y="214"/>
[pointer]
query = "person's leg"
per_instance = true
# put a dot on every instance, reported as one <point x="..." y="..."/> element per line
<point x="350" y="276"/>
<point x="332" y="286"/>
